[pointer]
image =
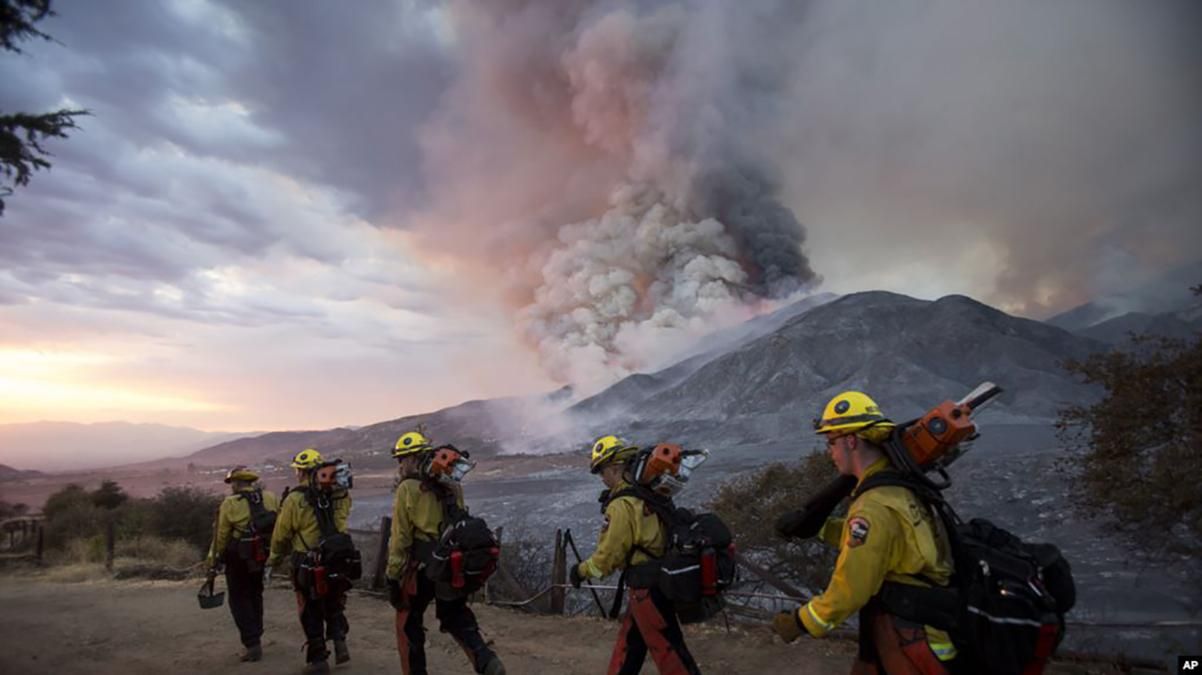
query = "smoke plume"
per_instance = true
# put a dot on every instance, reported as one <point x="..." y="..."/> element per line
<point x="599" y="165"/>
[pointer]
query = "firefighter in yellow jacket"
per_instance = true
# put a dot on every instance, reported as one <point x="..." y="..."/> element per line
<point x="888" y="536"/>
<point x="322" y="614"/>
<point x="633" y="535"/>
<point x="242" y="549"/>
<point x="417" y="525"/>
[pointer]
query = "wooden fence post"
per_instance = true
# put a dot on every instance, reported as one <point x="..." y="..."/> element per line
<point x="559" y="576"/>
<point x="110" y="542"/>
<point x="487" y="584"/>
<point x="40" y="543"/>
<point x="377" y="577"/>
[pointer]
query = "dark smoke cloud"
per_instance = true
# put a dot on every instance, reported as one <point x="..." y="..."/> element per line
<point x="595" y="157"/>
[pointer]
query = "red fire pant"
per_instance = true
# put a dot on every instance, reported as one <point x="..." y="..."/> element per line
<point x="650" y="625"/>
<point x="893" y="646"/>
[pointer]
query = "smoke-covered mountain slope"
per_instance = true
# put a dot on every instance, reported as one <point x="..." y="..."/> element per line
<point x="763" y="384"/>
<point x="907" y="353"/>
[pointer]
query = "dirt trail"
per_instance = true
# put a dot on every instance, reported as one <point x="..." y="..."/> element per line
<point x="104" y="626"/>
<point x="156" y="627"/>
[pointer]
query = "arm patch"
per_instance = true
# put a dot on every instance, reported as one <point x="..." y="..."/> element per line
<point x="857" y="531"/>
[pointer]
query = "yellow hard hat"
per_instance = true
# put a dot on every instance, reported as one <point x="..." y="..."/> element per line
<point x="850" y="412"/>
<point x="609" y="449"/>
<point x="410" y="444"/>
<point x="307" y="459"/>
<point x="241" y="473"/>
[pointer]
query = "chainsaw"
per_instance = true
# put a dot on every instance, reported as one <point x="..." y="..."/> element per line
<point x="922" y="446"/>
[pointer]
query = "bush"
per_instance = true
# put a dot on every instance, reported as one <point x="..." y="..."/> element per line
<point x="9" y="510"/>
<point x="1130" y="451"/>
<point x="109" y="495"/>
<point x="75" y="518"/>
<point x="186" y="513"/>
<point x="81" y="520"/>
<point x="80" y="551"/>
<point x="527" y="557"/>
<point x="69" y="497"/>
<point x="750" y="505"/>
<point x="169" y="552"/>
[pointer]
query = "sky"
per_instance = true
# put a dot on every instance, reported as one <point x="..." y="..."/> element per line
<point x="284" y="215"/>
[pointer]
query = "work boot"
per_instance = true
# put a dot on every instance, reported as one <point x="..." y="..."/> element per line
<point x="494" y="666"/>
<point x="252" y="653"/>
<point x="317" y="668"/>
<point x="316" y="657"/>
<point x="341" y="653"/>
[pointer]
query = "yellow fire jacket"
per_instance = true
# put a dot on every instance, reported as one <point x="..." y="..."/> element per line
<point x="233" y="519"/>
<point x="629" y="524"/>
<point x="296" y="528"/>
<point x="888" y="535"/>
<point x="416" y="516"/>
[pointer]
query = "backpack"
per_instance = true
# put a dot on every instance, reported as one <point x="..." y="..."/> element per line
<point x="698" y="562"/>
<point x="336" y="550"/>
<point x="252" y="547"/>
<point x="466" y="553"/>
<point x="1004" y="608"/>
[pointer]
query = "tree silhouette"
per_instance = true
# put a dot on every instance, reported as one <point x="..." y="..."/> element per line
<point x="1137" y="452"/>
<point x="109" y="495"/>
<point x="22" y="134"/>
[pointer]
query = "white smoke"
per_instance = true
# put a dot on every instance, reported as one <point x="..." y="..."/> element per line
<point x="626" y="213"/>
<point x="618" y="286"/>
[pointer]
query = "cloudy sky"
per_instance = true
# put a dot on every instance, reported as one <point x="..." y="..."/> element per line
<point x="310" y="214"/>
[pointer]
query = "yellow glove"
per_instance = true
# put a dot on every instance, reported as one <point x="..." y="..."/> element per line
<point x="788" y="625"/>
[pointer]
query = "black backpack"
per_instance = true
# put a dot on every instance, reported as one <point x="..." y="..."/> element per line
<point x="1004" y="608"/>
<point x="698" y="562"/>
<point x="254" y="544"/>
<point x="336" y="550"/>
<point x="466" y="553"/>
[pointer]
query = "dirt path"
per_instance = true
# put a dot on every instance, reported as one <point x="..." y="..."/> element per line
<point x="103" y="626"/>
<point x="156" y="627"/>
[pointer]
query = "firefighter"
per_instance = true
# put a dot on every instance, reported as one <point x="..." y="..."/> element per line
<point x="241" y="548"/>
<point x="888" y="536"/>
<point x="298" y="532"/>
<point x="632" y="536"/>
<point x="418" y="520"/>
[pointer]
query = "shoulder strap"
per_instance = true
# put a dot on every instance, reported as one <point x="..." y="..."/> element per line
<point x="899" y="479"/>
<point x="931" y="497"/>
<point x="254" y="499"/>
<point x="451" y="511"/>
<point x="323" y="510"/>
<point x="660" y="506"/>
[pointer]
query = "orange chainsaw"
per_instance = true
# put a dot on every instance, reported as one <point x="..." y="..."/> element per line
<point x="928" y="444"/>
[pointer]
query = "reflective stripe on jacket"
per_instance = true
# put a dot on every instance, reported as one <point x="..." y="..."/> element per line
<point x="887" y="535"/>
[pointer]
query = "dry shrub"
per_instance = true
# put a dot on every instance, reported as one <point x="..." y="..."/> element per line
<point x="76" y="573"/>
<point x="751" y="503"/>
<point x="174" y="553"/>
<point x="78" y="551"/>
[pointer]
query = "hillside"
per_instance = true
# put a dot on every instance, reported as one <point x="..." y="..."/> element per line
<point x="1118" y="331"/>
<point x="761" y="381"/>
<point x="61" y="446"/>
<point x="9" y="473"/>
<point x="1167" y="293"/>
<point x="484" y="427"/>
<point x="908" y="353"/>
